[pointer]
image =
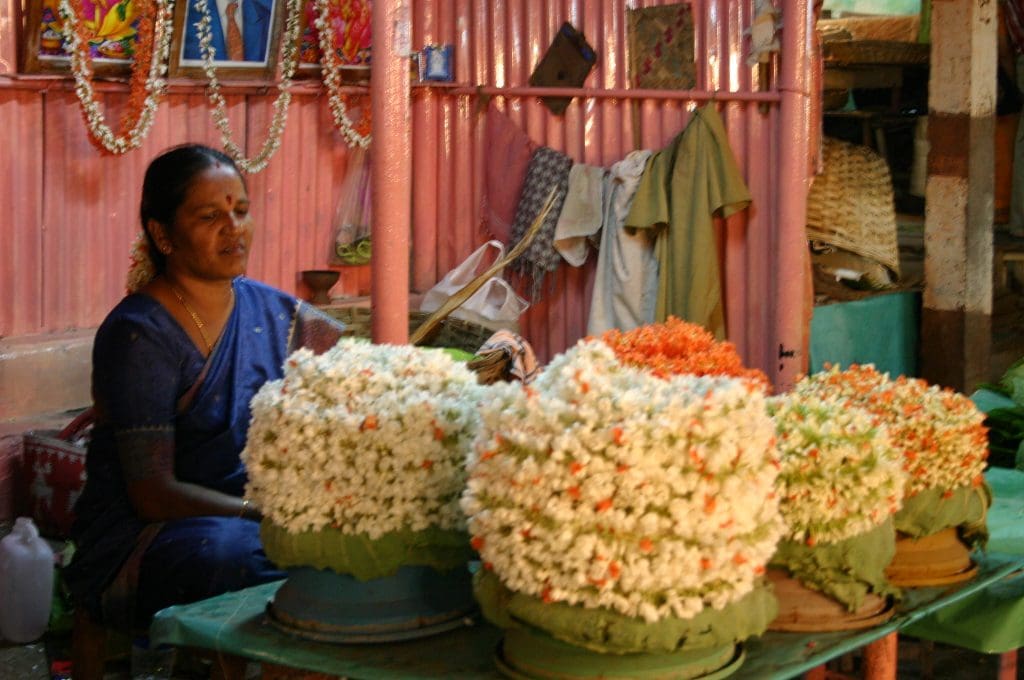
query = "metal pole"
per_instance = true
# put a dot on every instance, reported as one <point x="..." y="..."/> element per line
<point x="391" y="171"/>
<point x="791" y="313"/>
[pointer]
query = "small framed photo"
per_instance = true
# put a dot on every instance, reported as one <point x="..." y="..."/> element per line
<point x="350" y="26"/>
<point x="112" y="29"/>
<point x="245" y="35"/>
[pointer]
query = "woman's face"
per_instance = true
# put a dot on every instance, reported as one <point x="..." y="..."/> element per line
<point x="212" y="228"/>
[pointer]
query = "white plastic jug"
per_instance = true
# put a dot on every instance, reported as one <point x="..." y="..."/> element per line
<point x="26" y="583"/>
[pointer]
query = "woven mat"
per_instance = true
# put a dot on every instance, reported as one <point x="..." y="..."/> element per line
<point x="850" y="205"/>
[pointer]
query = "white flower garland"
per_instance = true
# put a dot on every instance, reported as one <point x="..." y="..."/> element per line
<point x="364" y="438"/>
<point x="331" y="68"/>
<point x="605" y="486"/>
<point x="841" y="476"/>
<point x="141" y="270"/>
<point x="938" y="432"/>
<point x="155" y="82"/>
<point x="289" y="62"/>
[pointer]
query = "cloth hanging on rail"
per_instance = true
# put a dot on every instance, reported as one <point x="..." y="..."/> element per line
<point x="626" y="278"/>
<point x="684" y="186"/>
<point x="509" y="151"/>
<point x="582" y="213"/>
<point x="548" y="169"/>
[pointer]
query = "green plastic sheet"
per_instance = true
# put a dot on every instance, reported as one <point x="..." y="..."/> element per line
<point x="989" y="621"/>
<point x="879" y="330"/>
<point x="237" y="623"/>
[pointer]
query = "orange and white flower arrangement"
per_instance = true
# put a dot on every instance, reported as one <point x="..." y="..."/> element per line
<point x="677" y="347"/>
<point x="938" y="432"/>
<point x="841" y="476"/>
<point x="147" y="82"/>
<point x="363" y="444"/>
<point x="603" y="486"/>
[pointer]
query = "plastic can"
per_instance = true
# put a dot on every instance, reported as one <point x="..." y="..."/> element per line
<point x="26" y="583"/>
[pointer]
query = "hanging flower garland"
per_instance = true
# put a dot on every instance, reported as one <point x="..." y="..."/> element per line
<point x="355" y="134"/>
<point x="289" y="61"/>
<point x="147" y="81"/>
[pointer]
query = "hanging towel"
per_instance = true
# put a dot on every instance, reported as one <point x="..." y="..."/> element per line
<point x="509" y="150"/>
<point x="581" y="213"/>
<point x="626" y="279"/>
<point x="548" y="169"/>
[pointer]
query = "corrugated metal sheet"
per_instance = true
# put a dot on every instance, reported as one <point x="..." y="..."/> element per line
<point x="74" y="211"/>
<point x="499" y="43"/>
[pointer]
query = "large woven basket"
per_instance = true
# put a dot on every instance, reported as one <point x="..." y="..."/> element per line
<point x="451" y="332"/>
<point x="851" y="205"/>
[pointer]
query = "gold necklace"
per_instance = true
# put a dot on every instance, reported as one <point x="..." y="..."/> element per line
<point x="195" y="317"/>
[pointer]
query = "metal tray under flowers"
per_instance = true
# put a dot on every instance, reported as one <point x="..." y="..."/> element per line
<point x="414" y="602"/>
<point x="527" y="653"/>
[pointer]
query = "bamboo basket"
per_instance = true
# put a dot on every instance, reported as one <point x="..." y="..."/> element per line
<point x="451" y="332"/>
<point x="851" y="205"/>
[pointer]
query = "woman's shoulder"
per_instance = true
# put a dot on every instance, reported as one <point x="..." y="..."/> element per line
<point x="259" y="291"/>
<point x="137" y="310"/>
<point x="137" y="320"/>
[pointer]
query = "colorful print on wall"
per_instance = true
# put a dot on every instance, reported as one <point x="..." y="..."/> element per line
<point x="112" y="28"/>
<point x="350" y="24"/>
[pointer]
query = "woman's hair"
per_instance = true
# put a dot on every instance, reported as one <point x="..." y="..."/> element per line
<point x="168" y="178"/>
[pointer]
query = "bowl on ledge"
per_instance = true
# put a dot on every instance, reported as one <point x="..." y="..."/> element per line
<point x="320" y="282"/>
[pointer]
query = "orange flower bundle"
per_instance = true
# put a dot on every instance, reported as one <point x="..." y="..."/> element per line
<point x="679" y="347"/>
<point x="939" y="432"/>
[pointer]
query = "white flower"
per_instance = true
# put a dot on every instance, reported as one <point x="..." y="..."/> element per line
<point x="938" y="432"/>
<point x="841" y="475"/>
<point x="364" y="438"/>
<point x="605" y="486"/>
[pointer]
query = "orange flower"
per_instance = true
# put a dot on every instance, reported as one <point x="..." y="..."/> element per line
<point x="678" y="347"/>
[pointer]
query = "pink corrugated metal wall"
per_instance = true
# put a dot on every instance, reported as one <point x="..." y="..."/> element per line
<point x="73" y="212"/>
<point x="498" y="43"/>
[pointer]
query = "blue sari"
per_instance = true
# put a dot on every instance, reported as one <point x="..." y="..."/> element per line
<point x="152" y="390"/>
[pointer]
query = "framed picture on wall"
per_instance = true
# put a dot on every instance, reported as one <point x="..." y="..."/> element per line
<point x="245" y="35"/>
<point x="350" y="27"/>
<point x="112" y="29"/>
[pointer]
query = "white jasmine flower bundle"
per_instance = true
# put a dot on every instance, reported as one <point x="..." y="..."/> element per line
<point x="364" y="440"/>
<point x="606" y="487"/>
<point x="841" y="475"/>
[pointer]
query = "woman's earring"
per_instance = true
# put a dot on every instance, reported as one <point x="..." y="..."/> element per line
<point x="165" y="248"/>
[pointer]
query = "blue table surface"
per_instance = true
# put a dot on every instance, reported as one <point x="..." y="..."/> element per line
<point x="237" y="623"/>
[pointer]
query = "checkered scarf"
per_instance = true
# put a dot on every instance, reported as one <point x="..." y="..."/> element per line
<point x="548" y="169"/>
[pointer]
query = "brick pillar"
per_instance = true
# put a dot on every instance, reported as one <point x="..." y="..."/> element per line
<point x="956" y="319"/>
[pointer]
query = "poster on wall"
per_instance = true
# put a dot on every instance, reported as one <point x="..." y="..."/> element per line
<point x="349" y="21"/>
<point x="244" y="35"/>
<point x="661" y="47"/>
<point x="111" y="28"/>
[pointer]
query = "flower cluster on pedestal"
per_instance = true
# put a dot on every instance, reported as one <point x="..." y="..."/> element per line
<point x="605" y="486"/>
<point x="364" y="439"/>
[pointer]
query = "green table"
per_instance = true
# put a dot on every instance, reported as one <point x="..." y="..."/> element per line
<point x="236" y="623"/>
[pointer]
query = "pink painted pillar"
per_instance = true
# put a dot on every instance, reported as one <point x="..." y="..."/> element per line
<point x="791" y="313"/>
<point x="391" y="178"/>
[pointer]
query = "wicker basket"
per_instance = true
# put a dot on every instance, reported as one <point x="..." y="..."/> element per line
<point x="850" y="205"/>
<point x="456" y="333"/>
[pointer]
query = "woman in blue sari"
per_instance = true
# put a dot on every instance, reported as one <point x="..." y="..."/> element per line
<point x="162" y="519"/>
